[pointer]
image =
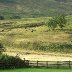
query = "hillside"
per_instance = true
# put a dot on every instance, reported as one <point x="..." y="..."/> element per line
<point x="34" y="8"/>
<point x="34" y="34"/>
<point x="31" y="38"/>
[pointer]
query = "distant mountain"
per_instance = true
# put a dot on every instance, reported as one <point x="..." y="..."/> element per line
<point x="35" y="8"/>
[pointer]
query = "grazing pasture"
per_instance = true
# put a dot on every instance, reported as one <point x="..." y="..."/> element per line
<point x="34" y="34"/>
<point x="33" y="37"/>
<point x="37" y="70"/>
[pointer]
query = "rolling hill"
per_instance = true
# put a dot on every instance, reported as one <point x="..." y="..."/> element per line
<point x="34" y="8"/>
<point x="33" y="34"/>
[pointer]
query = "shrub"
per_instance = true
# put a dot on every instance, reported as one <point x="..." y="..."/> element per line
<point x="2" y="18"/>
<point x="11" y="62"/>
<point x="57" y="21"/>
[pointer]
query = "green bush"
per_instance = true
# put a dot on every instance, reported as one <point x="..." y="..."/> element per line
<point x="11" y="62"/>
<point x="57" y="21"/>
<point x="2" y="18"/>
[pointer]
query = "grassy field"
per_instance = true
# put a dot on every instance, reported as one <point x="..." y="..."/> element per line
<point x="14" y="34"/>
<point x="20" y="35"/>
<point x="37" y="70"/>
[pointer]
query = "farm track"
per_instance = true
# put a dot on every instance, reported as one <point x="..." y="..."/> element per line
<point x="40" y="57"/>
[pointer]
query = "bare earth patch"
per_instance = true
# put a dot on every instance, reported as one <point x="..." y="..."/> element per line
<point x="41" y="57"/>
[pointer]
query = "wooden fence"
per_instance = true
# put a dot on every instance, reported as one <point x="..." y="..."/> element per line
<point x="51" y="64"/>
<point x="46" y="64"/>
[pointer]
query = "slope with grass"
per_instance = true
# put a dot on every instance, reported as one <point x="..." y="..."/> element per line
<point x="34" y="8"/>
<point x="32" y="36"/>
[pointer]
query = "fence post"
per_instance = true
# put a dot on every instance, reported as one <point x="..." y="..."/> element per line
<point x="57" y="64"/>
<point x="37" y="63"/>
<point x="47" y="64"/>
<point x="24" y="59"/>
<point x="69" y="64"/>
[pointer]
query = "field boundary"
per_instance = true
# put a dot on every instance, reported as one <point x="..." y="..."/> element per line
<point x="51" y="64"/>
<point x="47" y="64"/>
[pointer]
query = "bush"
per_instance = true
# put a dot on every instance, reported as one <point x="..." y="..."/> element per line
<point x="11" y="62"/>
<point x="2" y="18"/>
<point x="57" y="21"/>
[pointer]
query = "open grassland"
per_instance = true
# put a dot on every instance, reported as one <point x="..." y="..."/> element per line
<point x="33" y="34"/>
<point x="37" y="70"/>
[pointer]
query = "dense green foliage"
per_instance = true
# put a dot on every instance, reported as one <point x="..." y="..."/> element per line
<point x="34" y="8"/>
<point x="11" y="62"/>
<point x="57" y="21"/>
<point x="1" y="18"/>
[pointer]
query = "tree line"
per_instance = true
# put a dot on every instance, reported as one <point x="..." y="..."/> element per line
<point x="12" y="17"/>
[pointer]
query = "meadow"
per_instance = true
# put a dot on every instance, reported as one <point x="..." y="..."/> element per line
<point x="22" y="36"/>
<point x="28" y="34"/>
<point x="25" y="33"/>
<point x="37" y="70"/>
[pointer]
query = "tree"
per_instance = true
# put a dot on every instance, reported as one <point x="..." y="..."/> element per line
<point x="61" y="21"/>
<point x="1" y="18"/>
<point x="52" y="23"/>
<point x="57" y="21"/>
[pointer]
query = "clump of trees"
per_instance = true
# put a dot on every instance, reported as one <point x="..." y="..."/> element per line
<point x="57" y="21"/>
<point x="10" y="62"/>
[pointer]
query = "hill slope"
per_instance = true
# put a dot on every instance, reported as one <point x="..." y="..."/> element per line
<point x="33" y="34"/>
<point x="35" y="8"/>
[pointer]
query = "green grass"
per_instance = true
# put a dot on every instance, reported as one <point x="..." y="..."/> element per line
<point x="37" y="70"/>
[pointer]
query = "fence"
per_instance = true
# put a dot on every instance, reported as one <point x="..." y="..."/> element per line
<point x="46" y="64"/>
<point x="51" y="64"/>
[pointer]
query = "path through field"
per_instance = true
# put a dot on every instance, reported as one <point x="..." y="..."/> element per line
<point x="42" y="57"/>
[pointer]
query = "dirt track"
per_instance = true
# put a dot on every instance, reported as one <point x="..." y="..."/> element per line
<point x="41" y="57"/>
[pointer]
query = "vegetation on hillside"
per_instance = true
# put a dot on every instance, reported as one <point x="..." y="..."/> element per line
<point x="10" y="62"/>
<point x="34" y="34"/>
<point x="34" y="8"/>
<point x="57" y="21"/>
<point x="20" y="29"/>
